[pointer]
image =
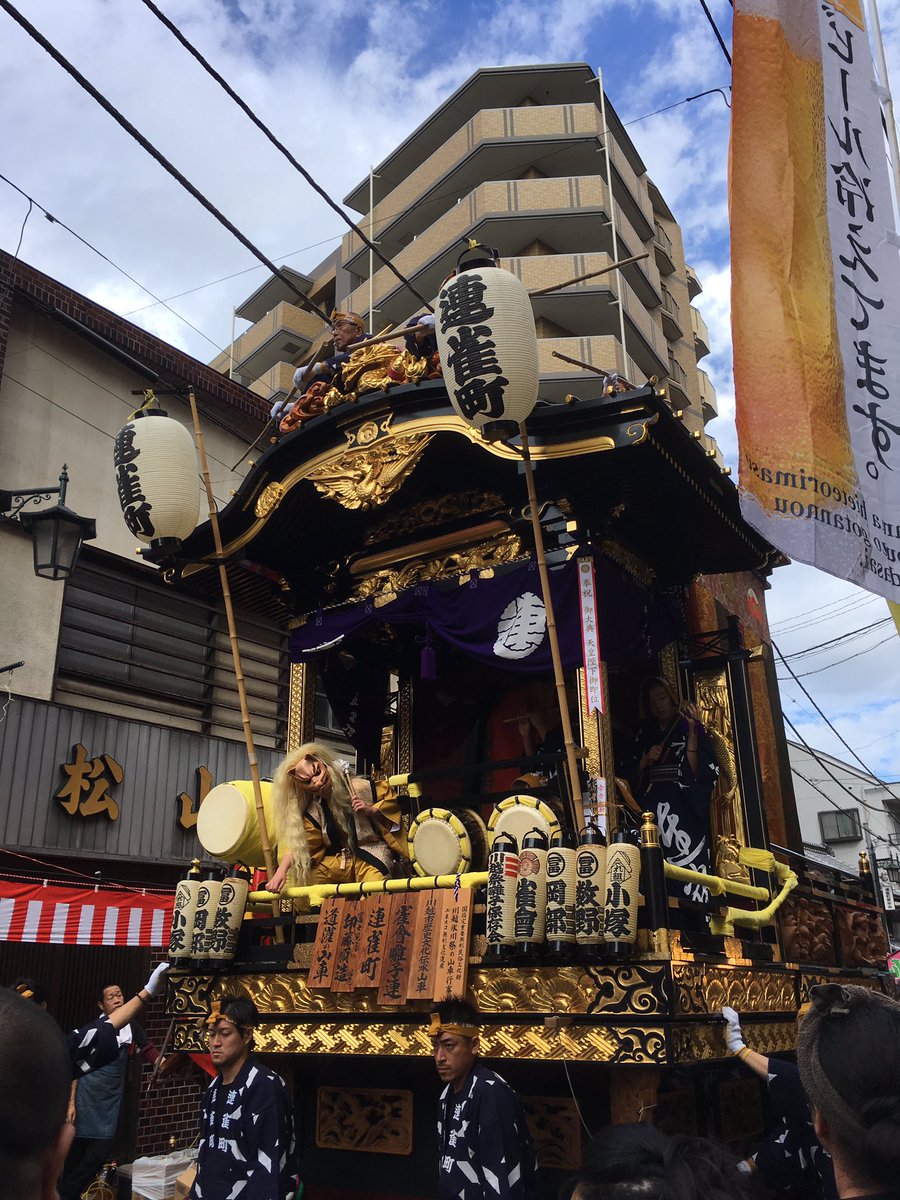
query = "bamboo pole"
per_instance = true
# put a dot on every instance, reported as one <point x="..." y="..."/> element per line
<point x="625" y="262"/>
<point x="576" y="362"/>
<point x="556" y="658"/>
<point x="236" y="657"/>
<point x="387" y="337"/>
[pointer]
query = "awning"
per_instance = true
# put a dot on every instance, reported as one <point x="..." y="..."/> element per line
<point x="83" y="916"/>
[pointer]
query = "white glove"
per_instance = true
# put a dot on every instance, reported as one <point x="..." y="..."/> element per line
<point x="277" y="410"/>
<point x="746" y="1166"/>
<point x="734" y="1038"/>
<point x="152" y="984"/>
<point x="427" y="320"/>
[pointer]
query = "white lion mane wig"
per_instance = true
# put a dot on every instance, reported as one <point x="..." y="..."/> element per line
<point x="291" y="803"/>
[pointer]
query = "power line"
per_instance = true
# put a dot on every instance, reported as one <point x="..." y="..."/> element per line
<point x="839" y="736"/>
<point x="876" y="837"/>
<point x="856" y="799"/>
<point x="248" y="111"/>
<point x="715" y="30"/>
<point x="842" y="637"/>
<point x="110" y="108"/>
<point x="800" y="620"/>
<point x="56" y="221"/>
<point x="838" y="662"/>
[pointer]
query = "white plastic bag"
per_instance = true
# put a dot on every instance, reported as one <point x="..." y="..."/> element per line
<point x="154" y="1177"/>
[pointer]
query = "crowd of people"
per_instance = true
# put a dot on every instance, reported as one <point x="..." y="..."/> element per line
<point x="837" y="1112"/>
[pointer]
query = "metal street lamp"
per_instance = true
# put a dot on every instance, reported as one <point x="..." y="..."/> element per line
<point x="56" y="533"/>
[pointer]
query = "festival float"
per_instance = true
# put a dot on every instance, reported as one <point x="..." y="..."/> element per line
<point x="542" y="628"/>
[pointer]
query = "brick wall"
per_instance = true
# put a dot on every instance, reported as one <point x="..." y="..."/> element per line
<point x="172" y="1108"/>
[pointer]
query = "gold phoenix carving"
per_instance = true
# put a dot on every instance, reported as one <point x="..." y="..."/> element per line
<point x="363" y="479"/>
<point x="364" y="1119"/>
<point x="701" y="989"/>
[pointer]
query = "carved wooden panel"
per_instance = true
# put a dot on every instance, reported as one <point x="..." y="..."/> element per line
<point x="556" y="1131"/>
<point x="861" y="937"/>
<point x="807" y="931"/>
<point x="369" y="1120"/>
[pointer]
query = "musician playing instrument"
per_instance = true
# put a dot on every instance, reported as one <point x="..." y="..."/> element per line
<point x="674" y="772"/>
<point x="315" y="804"/>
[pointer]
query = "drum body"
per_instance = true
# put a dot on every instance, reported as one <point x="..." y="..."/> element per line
<point x="447" y="843"/>
<point x="519" y="815"/>
<point x="227" y="826"/>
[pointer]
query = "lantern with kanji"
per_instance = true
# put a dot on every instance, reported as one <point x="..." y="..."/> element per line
<point x="157" y="478"/>
<point x="486" y="338"/>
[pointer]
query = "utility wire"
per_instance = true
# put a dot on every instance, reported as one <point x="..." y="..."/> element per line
<point x="715" y="30"/>
<point x="856" y="799"/>
<point x="248" y="111"/>
<point x="840" y="738"/>
<point x="55" y="54"/>
<point x="24" y="223"/>
<point x="842" y="637"/>
<point x="839" y="661"/>
<point x="800" y="620"/>
<point x="56" y="221"/>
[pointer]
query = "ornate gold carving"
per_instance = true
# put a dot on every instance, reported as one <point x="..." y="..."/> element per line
<point x="668" y="668"/>
<point x="807" y="931"/>
<point x="365" y="478"/>
<point x="367" y="1119"/>
<point x="575" y="1043"/>
<point x="188" y="995"/>
<point x="484" y="556"/>
<point x="404" y="726"/>
<point x="636" y="567"/>
<point x="301" y="723"/>
<point x="699" y="1042"/>
<point x="431" y="513"/>
<point x="727" y="807"/>
<point x="555" y="1130"/>
<point x="269" y="499"/>
<point x="704" y="989"/>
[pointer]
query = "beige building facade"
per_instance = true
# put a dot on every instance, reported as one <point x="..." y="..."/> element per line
<point x="534" y="161"/>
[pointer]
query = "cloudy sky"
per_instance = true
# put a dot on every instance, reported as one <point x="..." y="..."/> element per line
<point x="341" y="83"/>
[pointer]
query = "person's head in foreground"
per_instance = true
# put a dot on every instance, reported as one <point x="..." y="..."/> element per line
<point x="35" y="1075"/>
<point x="638" y="1162"/>
<point x="229" y="1034"/>
<point x="848" y="1051"/>
<point x="454" y="1035"/>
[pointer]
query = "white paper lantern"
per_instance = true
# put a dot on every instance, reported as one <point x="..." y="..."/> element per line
<point x="485" y="331"/>
<point x="157" y="478"/>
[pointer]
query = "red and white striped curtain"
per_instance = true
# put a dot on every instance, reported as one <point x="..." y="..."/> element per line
<point x="82" y="916"/>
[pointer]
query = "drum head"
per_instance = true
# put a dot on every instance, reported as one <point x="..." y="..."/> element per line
<point x="439" y="843"/>
<point x="478" y="835"/>
<point x="518" y="815"/>
<point x="222" y="820"/>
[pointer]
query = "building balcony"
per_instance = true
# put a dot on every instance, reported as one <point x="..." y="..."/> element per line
<point x="276" y="382"/>
<point x="708" y="397"/>
<point x="282" y="335"/>
<point x="693" y="283"/>
<point x="559" y="378"/>
<point x="271" y="293"/>
<point x="701" y="333"/>
<point x="501" y="145"/>
<point x="671" y="316"/>
<point x="572" y="215"/>
<point x="677" y="385"/>
<point x="663" y="249"/>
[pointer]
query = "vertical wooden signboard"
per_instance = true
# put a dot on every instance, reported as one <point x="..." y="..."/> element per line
<point x="425" y="943"/>
<point x="371" y="947"/>
<point x="453" y="947"/>
<point x="347" y="952"/>
<point x="322" y="967"/>
<point x="398" y="949"/>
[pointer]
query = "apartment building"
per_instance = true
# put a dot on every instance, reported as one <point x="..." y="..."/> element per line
<point x="535" y="161"/>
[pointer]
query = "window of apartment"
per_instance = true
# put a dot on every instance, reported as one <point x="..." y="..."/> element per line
<point x="136" y="647"/>
<point x="840" y="825"/>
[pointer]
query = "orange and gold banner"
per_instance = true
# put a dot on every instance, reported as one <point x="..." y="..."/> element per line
<point x="815" y="291"/>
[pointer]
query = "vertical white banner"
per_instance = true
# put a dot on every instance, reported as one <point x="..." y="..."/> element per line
<point x="590" y="637"/>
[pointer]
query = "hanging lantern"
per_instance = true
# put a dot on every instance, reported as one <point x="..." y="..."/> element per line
<point x="561" y="883"/>
<point x="157" y="479"/>
<point x="531" y="895"/>
<point x="186" y="893"/>
<point x="500" y="908"/>
<point x="623" y="873"/>
<point x="484" y="324"/>
<point x="590" y="877"/>
<point x="207" y="903"/>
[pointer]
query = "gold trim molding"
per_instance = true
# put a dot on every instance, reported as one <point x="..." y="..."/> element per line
<point x="705" y="989"/>
<point x="700" y="1042"/>
<point x="301" y="722"/>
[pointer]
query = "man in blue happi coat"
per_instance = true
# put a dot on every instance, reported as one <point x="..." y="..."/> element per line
<point x="485" y="1147"/>
<point x="247" y="1144"/>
